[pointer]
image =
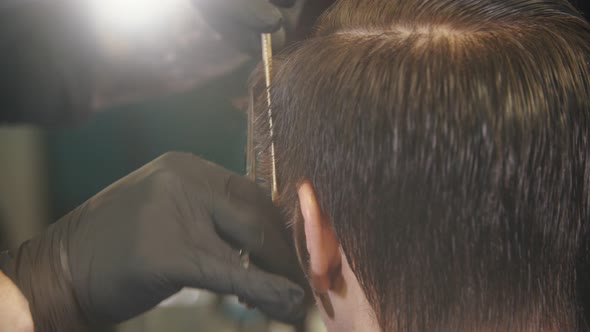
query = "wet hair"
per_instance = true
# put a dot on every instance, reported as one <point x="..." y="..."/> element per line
<point x="448" y="142"/>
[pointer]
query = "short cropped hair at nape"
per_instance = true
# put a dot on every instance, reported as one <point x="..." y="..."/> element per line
<point x="448" y="144"/>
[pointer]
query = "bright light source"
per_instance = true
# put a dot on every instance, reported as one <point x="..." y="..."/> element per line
<point x="132" y="15"/>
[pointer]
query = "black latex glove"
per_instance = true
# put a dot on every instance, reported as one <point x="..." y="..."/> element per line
<point x="242" y="21"/>
<point x="163" y="227"/>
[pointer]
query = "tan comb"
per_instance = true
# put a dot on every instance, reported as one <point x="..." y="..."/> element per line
<point x="267" y="62"/>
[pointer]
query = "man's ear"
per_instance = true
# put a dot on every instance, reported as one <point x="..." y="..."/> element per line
<point x="322" y="244"/>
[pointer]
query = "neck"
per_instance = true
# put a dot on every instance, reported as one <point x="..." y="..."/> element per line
<point x="345" y="307"/>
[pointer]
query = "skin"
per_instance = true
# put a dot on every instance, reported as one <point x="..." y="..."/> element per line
<point x="15" y="315"/>
<point x="339" y="296"/>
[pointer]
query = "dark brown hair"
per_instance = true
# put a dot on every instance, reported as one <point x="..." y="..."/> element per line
<point x="448" y="142"/>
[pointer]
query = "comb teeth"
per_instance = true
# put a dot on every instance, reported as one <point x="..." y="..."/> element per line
<point x="250" y="153"/>
<point x="267" y="62"/>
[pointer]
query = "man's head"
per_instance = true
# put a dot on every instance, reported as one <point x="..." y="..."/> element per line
<point x="433" y="156"/>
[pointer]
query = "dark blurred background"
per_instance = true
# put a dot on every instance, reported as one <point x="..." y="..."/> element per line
<point x="83" y="160"/>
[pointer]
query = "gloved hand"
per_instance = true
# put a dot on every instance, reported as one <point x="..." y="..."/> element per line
<point x="177" y="222"/>
<point x="242" y="21"/>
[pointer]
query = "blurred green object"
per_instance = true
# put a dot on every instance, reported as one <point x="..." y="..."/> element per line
<point x="84" y="160"/>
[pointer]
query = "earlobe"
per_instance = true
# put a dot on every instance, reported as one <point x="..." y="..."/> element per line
<point x="321" y="241"/>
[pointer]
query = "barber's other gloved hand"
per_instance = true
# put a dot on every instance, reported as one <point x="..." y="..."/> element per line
<point x="177" y="222"/>
<point x="242" y="21"/>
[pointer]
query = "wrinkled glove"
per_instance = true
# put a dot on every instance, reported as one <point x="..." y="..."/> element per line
<point x="177" y="222"/>
<point x="242" y="21"/>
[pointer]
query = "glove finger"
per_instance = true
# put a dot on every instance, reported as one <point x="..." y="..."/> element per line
<point x="252" y="45"/>
<point x="274" y="295"/>
<point x="241" y="213"/>
<point x="224" y="274"/>
<point x="247" y="218"/>
<point x="256" y="15"/>
<point x="244" y="40"/>
<point x="247" y="40"/>
<point x="283" y="3"/>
